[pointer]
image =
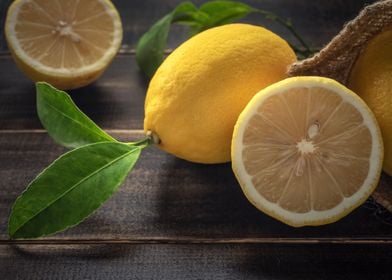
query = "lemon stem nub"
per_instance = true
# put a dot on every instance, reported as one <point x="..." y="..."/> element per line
<point x="154" y="138"/>
<point x="150" y="139"/>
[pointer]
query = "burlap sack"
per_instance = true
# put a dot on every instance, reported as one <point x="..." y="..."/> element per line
<point x="337" y="58"/>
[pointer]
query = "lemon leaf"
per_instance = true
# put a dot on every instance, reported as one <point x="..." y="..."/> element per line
<point x="214" y="13"/>
<point x="71" y="189"/>
<point x="150" y="47"/>
<point x="223" y="12"/>
<point x="64" y="121"/>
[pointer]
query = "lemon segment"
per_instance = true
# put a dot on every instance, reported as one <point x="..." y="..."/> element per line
<point x="66" y="43"/>
<point x="307" y="151"/>
<point x="196" y="95"/>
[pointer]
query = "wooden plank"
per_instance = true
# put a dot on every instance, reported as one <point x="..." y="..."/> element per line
<point x="116" y="100"/>
<point x="3" y="11"/>
<point x="311" y="18"/>
<point x="195" y="262"/>
<point x="166" y="199"/>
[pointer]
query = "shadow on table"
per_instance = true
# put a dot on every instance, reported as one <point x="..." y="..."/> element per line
<point x="94" y="251"/>
<point x="317" y="261"/>
<point x="206" y="201"/>
<point x="202" y="200"/>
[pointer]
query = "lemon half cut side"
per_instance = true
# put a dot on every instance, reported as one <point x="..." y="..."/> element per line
<point x="307" y="151"/>
<point x="66" y="43"/>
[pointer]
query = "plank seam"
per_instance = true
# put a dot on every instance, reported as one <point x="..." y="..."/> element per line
<point x="122" y="51"/>
<point x="11" y="131"/>
<point x="179" y="241"/>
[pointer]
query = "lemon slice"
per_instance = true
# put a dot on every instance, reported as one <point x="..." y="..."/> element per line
<point x="307" y="151"/>
<point x="66" y="43"/>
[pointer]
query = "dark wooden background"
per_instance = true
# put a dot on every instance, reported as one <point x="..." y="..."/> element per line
<point x="173" y="219"/>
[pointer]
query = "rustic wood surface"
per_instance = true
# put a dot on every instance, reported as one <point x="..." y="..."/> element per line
<point x="218" y="262"/>
<point x="174" y="219"/>
<point x="115" y="101"/>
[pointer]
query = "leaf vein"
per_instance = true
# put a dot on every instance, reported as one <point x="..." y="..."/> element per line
<point x="74" y="186"/>
<point x="101" y="134"/>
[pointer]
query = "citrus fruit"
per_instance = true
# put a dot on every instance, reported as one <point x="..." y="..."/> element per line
<point x="307" y="151"/>
<point x="66" y="43"/>
<point x="371" y="79"/>
<point x="196" y="95"/>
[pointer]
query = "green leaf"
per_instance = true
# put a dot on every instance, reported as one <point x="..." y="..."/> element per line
<point x="195" y="17"/>
<point x="196" y="21"/>
<point x="71" y="189"/>
<point x="64" y="121"/>
<point x="150" y="48"/>
<point x="214" y="13"/>
<point x="183" y="9"/>
<point x="222" y="12"/>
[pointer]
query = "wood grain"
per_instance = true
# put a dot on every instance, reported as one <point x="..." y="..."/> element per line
<point x="166" y="199"/>
<point x="218" y="262"/>
<point x="4" y="4"/>
<point x="115" y="101"/>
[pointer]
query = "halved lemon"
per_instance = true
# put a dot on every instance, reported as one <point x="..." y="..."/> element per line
<point x="307" y="151"/>
<point x="66" y="43"/>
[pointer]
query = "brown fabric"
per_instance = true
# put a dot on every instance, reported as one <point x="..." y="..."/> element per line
<point x="337" y="58"/>
<point x="383" y="193"/>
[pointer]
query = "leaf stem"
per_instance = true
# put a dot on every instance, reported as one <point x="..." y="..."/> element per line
<point x="151" y="138"/>
<point x="141" y="143"/>
<point x="306" y="51"/>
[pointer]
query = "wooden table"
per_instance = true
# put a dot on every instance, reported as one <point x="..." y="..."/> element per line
<point x="173" y="219"/>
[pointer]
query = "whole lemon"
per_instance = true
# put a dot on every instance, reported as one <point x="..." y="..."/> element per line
<point x="197" y="94"/>
<point x="371" y="79"/>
